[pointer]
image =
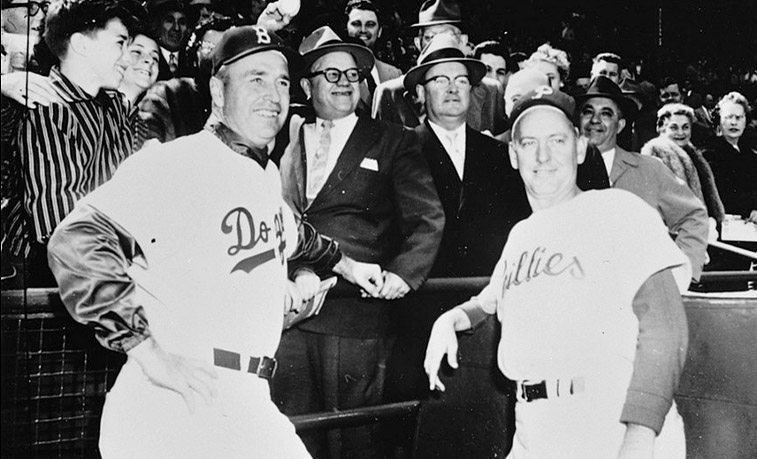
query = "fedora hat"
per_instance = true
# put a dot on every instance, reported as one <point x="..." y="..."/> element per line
<point x="435" y="12"/>
<point x="324" y="40"/>
<point x="443" y="48"/>
<point x="602" y="86"/>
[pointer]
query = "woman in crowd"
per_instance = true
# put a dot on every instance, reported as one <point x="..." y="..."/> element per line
<point x="139" y="76"/>
<point x="673" y="146"/>
<point x="552" y="62"/>
<point x="733" y="157"/>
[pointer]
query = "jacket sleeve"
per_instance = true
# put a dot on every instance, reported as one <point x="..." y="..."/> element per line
<point x="686" y="217"/>
<point x="314" y="251"/>
<point x="89" y="255"/>
<point x="420" y="213"/>
<point x="660" y="351"/>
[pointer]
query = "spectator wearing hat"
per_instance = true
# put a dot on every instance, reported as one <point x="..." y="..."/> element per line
<point x="198" y="306"/>
<point x="173" y="23"/>
<point x="392" y="102"/>
<point x="365" y="184"/>
<point x="603" y="113"/>
<point x="363" y="23"/>
<point x="483" y="197"/>
<point x="593" y="330"/>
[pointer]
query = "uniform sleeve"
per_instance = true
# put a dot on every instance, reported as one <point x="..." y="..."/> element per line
<point x="686" y="217"/>
<point x="421" y="217"/>
<point x="89" y="255"/>
<point x="484" y="304"/>
<point x="660" y="351"/>
<point x="314" y="251"/>
<point x="52" y="169"/>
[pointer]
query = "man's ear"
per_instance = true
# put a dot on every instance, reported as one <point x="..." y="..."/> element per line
<point x="216" y="92"/>
<point x="380" y="31"/>
<point x="621" y="125"/>
<point x="513" y="156"/>
<point x="306" y="88"/>
<point x="418" y="42"/>
<point x="463" y="41"/>
<point x="582" y="143"/>
<point x="420" y="92"/>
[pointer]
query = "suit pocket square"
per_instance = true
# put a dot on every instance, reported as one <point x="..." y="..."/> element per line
<point x="370" y="164"/>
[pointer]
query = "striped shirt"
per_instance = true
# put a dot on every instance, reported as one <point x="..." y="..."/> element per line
<point x="67" y="150"/>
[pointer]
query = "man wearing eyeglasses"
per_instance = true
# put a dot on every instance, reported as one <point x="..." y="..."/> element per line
<point x="483" y="198"/>
<point x="393" y="103"/>
<point x="19" y="16"/>
<point x="365" y="184"/>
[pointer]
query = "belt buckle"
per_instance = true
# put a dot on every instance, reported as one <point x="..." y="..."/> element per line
<point x="531" y="392"/>
<point x="266" y="367"/>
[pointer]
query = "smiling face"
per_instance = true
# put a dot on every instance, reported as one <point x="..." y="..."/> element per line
<point x="173" y="31"/>
<point x="732" y="121"/>
<point x="143" y="69"/>
<point x="107" y="53"/>
<point x="363" y="24"/>
<point x="601" y="122"/>
<point x="252" y="95"/>
<point x="546" y="150"/>
<point x="446" y="105"/>
<point x="16" y="19"/>
<point x="678" y="129"/>
<point x="332" y="101"/>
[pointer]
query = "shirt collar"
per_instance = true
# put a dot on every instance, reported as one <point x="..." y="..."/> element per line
<point x="234" y="141"/>
<point x="458" y="132"/>
<point x="167" y="54"/>
<point x="67" y="89"/>
<point x="348" y="122"/>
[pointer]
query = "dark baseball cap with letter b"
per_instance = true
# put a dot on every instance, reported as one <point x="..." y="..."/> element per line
<point x="240" y="42"/>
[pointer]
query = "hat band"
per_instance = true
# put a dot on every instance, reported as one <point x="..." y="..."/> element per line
<point x="444" y="53"/>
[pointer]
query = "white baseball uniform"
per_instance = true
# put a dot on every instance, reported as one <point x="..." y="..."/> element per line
<point x="563" y="291"/>
<point x="215" y="234"/>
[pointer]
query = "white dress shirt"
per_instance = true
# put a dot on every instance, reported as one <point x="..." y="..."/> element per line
<point x="609" y="157"/>
<point x="341" y="131"/>
<point x="454" y="144"/>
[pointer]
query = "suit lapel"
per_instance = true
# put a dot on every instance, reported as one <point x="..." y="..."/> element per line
<point x="622" y="161"/>
<point x="294" y="167"/>
<point x="450" y="186"/>
<point x="359" y="144"/>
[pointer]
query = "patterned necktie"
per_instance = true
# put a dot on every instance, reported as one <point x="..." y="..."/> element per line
<point x="320" y="160"/>
<point x="173" y="65"/>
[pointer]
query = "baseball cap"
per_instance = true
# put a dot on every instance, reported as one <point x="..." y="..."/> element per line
<point x="239" y="42"/>
<point x="544" y="96"/>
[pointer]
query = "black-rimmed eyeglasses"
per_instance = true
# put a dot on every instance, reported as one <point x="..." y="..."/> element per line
<point x="334" y="75"/>
<point x="443" y="81"/>
<point x="32" y="7"/>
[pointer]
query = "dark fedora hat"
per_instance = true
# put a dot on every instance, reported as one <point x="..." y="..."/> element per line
<point x="158" y="8"/>
<point x="324" y="40"/>
<point x="240" y="42"/>
<point x="602" y="86"/>
<point x="443" y="48"/>
<point x="435" y="12"/>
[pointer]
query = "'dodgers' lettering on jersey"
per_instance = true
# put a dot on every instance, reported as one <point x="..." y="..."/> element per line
<point x="249" y="233"/>
<point x="531" y="264"/>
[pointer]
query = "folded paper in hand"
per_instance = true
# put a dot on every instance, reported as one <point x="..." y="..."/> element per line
<point x="308" y="309"/>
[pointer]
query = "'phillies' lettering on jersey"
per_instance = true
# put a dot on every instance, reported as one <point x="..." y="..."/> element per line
<point x="248" y="234"/>
<point x="533" y="263"/>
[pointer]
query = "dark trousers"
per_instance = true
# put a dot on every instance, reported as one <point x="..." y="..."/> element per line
<point x="319" y="372"/>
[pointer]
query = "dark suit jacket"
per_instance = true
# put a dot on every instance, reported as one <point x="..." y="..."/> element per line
<point x="486" y="113"/>
<point x="481" y="209"/>
<point x="183" y="70"/>
<point x="380" y="204"/>
<point x="385" y="72"/>
<point x="175" y="108"/>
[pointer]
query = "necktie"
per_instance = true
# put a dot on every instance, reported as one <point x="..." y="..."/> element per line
<point x="320" y="160"/>
<point x="371" y="83"/>
<point x="455" y="154"/>
<point x="173" y="65"/>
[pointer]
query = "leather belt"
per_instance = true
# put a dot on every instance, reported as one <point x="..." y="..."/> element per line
<point x="554" y="388"/>
<point x="263" y="367"/>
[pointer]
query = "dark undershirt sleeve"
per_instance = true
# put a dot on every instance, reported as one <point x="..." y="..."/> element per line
<point x="660" y="351"/>
<point x="89" y="254"/>
<point x="314" y="251"/>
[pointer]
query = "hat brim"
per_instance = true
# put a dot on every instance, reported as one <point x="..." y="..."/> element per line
<point x="294" y="60"/>
<point x="363" y="56"/>
<point x="416" y="75"/>
<point x="433" y="23"/>
<point x="627" y="105"/>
